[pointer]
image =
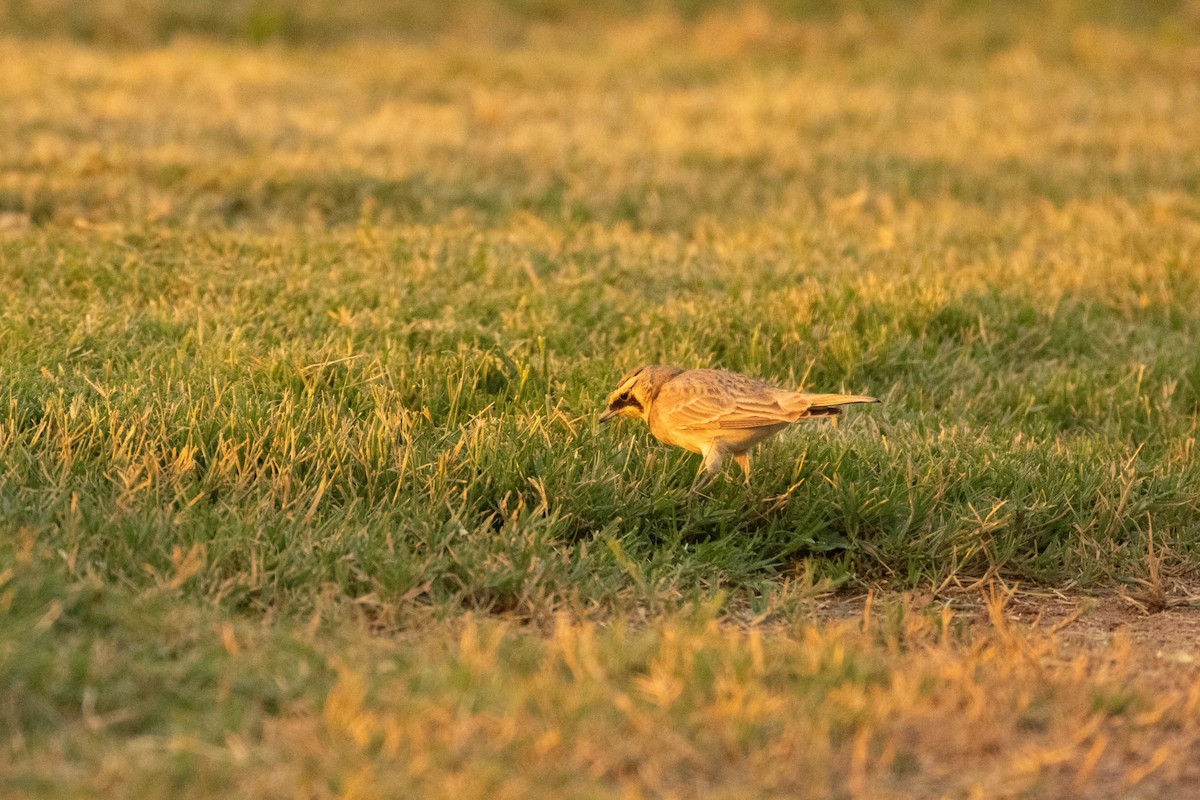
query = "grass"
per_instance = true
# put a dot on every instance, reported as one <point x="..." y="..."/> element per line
<point x="302" y="343"/>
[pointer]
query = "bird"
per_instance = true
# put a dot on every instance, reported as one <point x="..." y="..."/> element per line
<point x="715" y="412"/>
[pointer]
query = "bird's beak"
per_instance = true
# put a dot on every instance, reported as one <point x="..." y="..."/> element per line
<point x="608" y="414"/>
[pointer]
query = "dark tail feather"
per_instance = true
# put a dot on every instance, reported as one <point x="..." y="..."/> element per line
<point x="826" y="405"/>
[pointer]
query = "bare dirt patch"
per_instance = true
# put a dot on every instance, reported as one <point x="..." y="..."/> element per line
<point x="1143" y="647"/>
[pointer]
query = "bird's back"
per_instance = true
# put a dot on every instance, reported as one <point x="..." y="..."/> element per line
<point x="703" y="405"/>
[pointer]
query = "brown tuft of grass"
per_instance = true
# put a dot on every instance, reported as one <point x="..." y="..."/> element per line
<point x="908" y="699"/>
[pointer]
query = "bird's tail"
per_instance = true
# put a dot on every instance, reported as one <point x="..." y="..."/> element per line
<point x="826" y="405"/>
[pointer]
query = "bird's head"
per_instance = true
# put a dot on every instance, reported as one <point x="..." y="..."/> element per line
<point x="636" y="391"/>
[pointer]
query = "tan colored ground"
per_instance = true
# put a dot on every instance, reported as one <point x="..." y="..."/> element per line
<point x="1149" y="647"/>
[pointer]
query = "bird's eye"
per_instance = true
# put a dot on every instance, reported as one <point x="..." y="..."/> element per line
<point x="624" y="396"/>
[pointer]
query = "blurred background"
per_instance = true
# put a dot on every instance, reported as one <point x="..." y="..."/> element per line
<point x="995" y="25"/>
<point x="659" y="115"/>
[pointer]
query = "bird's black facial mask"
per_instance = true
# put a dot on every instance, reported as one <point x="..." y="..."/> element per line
<point x="621" y="401"/>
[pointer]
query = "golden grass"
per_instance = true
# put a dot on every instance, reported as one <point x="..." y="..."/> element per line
<point x="709" y="113"/>
<point x="302" y="345"/>
<point x="908" y="699"/>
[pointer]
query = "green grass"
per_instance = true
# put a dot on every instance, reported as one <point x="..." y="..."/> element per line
<point x="301" y="350"/>
<point x="317" y="414"/>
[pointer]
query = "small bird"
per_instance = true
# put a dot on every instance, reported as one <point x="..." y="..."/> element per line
<point x="715" y="412"/>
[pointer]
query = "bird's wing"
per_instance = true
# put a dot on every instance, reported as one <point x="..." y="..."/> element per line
<point x="707" y="399"/>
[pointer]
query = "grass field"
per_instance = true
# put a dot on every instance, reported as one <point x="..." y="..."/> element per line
<point x="305" y="321"/>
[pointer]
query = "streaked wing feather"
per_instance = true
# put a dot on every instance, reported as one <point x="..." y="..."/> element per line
<point x="724" y="401"/>
<point x="707" y="401"/>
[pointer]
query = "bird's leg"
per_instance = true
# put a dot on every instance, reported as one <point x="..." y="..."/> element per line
<point x="714" y="456"/>
<point x="743" y="460"/>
